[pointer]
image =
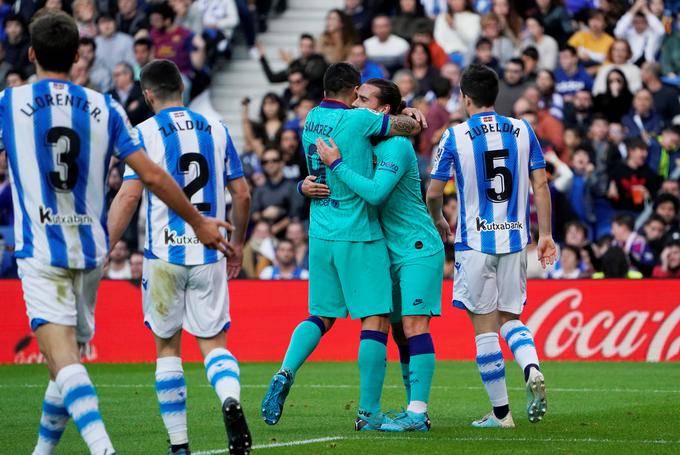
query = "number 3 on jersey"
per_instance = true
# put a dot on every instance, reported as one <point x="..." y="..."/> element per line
<point x="65" y="144"/>
<point x="496" y="171"/>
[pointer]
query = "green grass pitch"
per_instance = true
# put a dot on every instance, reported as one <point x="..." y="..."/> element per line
<point x="592" y="408"/>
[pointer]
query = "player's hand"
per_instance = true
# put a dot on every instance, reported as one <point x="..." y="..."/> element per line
<point x="328" y="153"/>
<point x="208" y="232"/>
<point x="417" y="114"/>
<point x="444" y="229"/>
<point x="546" y="250"/>
<point x="315" y="190"/>
<point x="234" y="261"/>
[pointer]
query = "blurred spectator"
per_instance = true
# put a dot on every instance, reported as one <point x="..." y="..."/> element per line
<point x="297" y="89"/>
<point x="410" y="17"/>
<point x="502" y="47"/>
<point x="670" y="262"/>
<point x="407" y="85"/>
<point x="437" y="116"/>
<point x="633" y="244"/>
<point x="452" y="72"/>
<point x="529" y="57"/>
<point x="188" y="14"/>
<point x="665" y="96"/>
<point x="277" y="202"/>
<point x="143" y="48"/>
<point x="569" y="264"/>
<point x="295" y="165"/>
<point x="272" y="116"/>
<point x="113" y="46"/>
<point x="258" y="252"/>
<point x="617" y="98"/>
<point x="576" y="234"/>
<point x="534" y="268"/>
<point x="367" y="68"/>
<point x="14" y="78"/>
<point x="572" y="140"/>
<point x="557" y="21"/>
<point x="615" y="265"/>
<point x="550" y="99"/>
<point x="136" y="265"/>
<point x="510" y="20"/>
<point x="511" y="86"/>
<point x="119" y="263"/>
<point x="457" y="29"/>
<point x="128" y="93"/>
<point x="670" y="54"/>
<point x="285" y="267"/>
<point x="297" y="234"/>
<point x="338" y="37"/>
<point x="130" y="18"/>
<point x="570" y="75"/>
<point x="654" y="230"/>
<point x="632" y="181"/>
<point x="219" y="18"/>
<point x="484" y="55"/>
<point x="360" y="16"/>
<point x="592" y="43"/>
<point x="433" y="7"/>
<point x="618" y="57"/>
<point x="583" y="186"/>
<point x="664" y="156"/>
<point x="300" y="109"/>
<point x="384" y="47"/>
<point x="16" y="43"/>
<point x="548" y="128"/>
<point x="312" y="64"/>
<point x="419" y="62"/>
<point x="6" y="203"/>
<point x="5" y="67"/>
<point x="99" y="74"/>
<point x="672" y="187"/>
<point x="85" y="13"/>
<point x="424" y="34"/>
<point x="666" y="206"/>
<point x="579" y="113"/>
<point x="545" y="44"/>
<point x="642" y="120"/>
<point x="80" y="75"/>
<point x="642" y="30"/>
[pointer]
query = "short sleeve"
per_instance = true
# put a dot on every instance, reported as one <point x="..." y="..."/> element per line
<point x="443" y="165"/>
<point x="372" y="123"/>
<point x="536" y="160"/>
<point x="232" y="166"/>
<point x="124" y="136"/>
<point x="130" y="174"/>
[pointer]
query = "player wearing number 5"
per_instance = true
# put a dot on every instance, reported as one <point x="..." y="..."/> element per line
<point x="184" y="285"/>
<point x="494" y="159"/>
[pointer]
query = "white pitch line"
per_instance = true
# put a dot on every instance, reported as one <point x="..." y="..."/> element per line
<point x="274" y="445"/>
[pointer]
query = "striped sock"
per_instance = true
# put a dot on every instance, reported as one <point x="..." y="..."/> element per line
<point x="171" y="391"/>
<point x="372" y="365"/>
<point x="52" y="421"/>
<point x="223" y="373"/>
<point x="492" y="368"/>
<point x="404" y="359"/>
<point x="521" y="343"/>
<point x="81" y="401"/>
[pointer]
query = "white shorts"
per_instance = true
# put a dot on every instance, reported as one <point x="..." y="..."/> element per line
<point x="484" y="283"/>
<point x="193" y="298"/>
<point x="60" y="296"/>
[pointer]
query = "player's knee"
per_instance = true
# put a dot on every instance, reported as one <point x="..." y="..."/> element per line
<point x="327" y="322"/>
<point x="415" y="325"/>
<point x="504" y="317"/>
<point x="380" y="323"/>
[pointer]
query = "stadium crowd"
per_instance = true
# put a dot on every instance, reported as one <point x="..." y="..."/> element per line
<point x="598" y="80"/>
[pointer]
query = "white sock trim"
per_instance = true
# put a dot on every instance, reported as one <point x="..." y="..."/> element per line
<point x="419" y="407"/>
<point x="169" y="365"/>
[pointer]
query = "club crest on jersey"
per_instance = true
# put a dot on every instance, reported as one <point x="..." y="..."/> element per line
<point x="72" y="219"/>
<point x="487" y="119"/>
<point x="483" y="225"/>
<point x="173" y="238"/>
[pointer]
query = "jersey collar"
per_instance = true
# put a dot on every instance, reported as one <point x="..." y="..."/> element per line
<point x="480" y="114"/>
<point x="333" y="104"/>
<point x="173" y="109"/>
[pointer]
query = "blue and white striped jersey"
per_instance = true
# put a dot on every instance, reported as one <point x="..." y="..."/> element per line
<point x="491" y="157"/>
<point x="59" y="139"/>
<point x="200" y="155"/>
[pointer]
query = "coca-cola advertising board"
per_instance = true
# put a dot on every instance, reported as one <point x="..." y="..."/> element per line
<point x="614" y="320"/>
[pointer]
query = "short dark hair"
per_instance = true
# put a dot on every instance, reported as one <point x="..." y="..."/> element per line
<point x="87" y="41"/>
<point x="483" y="41"/>
<point x="18" y="72"/>
<point x="480" y="83"/>
<point x="636" y="143"/>
<point x="571" y="49"/>
<point x="623" y="219"/>
<point x="306" y="36"/>
<point x="389" y="94"/>
<point x="531" y="52"/>
<point x="144" y="42"/>
<point x="162" y="78"/>
<point x="516" y="61"/>
<point x="666" y="197"/>
<point x="14" y="17"/>
<point x="55" y="40"/>
<point x="441" y="87"/>
<point x="340" y="78"/>
<point x="596" y="13"/>
<point x="164" y="9"/>
<point x="576" y="223"/>
<point x="654" y="217"/>
<point x="105" y="17"/>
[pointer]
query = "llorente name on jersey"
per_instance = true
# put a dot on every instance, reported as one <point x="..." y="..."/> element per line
<point x="173" y="238"/>
<point x="72" y="219"/>
<point x="185" y="125"/>
<point x="483" y="225"/>
<point x="61" y="99"/>
<point x="492" y="128"/>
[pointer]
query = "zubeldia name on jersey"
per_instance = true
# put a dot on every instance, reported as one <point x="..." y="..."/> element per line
<point x="486" y="128"/>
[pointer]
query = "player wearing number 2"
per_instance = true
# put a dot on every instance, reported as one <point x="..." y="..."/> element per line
<point x="184" y="285"/>
<point x="59" y="139"/>
<point x="493" y="160"/>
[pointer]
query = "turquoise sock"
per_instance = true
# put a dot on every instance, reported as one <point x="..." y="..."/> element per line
<point x="372" y="365"/>
<point x="404" y="358"/>
<point x="422" y="366"/>
<point x="304" y="340"/>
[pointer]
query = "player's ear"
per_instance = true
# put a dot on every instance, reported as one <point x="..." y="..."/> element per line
<point x="31" y="55"/>
<point x="76" y="58"/>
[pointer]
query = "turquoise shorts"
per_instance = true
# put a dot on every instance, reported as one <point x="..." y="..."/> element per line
<point x="417" y="287"/>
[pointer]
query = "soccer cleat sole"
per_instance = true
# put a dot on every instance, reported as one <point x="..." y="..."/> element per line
<point x="537" y="404"/>
<point x="272" y="404"/>
<point x="238" y="434"/>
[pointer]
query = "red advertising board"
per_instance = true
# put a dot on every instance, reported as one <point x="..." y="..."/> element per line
<point x="571" y="320"/>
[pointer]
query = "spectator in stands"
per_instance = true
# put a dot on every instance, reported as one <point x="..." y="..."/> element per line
<point x="297" y="234"/>
<point x="633" y="244"/>
<point x="457" y="29"/>
<point x="569" y="264"/>
<point x="367" y="68"/>
<point x="642" y="120"/>
<point x="259" y="250"/>
<point x="130" y="18"/>
<point x="5" y="67"/>
<point x="550" y="99"/>
<point x="419" y="62"/>
<point x="670" y="55"/>
<point x="424" y="35"/>
<point x="632" y="181"/>
<point x="272" y="116"/>
<point x="437" y="117"/>
<point x="6" y="207"/>
<point x="128" y="93"/>
<point x="143" y="48"/>
<point x="670" y="262"/>
<point x="136" y="265"/>
<point x="592" y="43"/>
<point x="654" y="230"/>
<point x="85" y="13"/>
<point x="337" y="38"/>
<point x="360" y="16"/>
<point x="617" y="98"/>
<point x="80" y="74"/>
<point x="188" y="15"/>
<point x="664" y="151"/>
<point x="300" y="111"/>
<point x="671" y="186"/>
<point x="618" y="57"/>
<point x="510" y="20"/>
<point x="529" y="57"/>
<point x="219" y="18"/>
<point x="312" y="64"/>
<point x="409" y="18"/>
<point x="295" y="165"/>
<point x="583" y="186"/>
<point x="576" y="234"/>
<point x="452" y="72"/>
<point x="384" y="47"/>
<point x="484" y="55"/>
<point x="666" y="206"/>
<point x="614" y="264"/>
<point x="570" y="76"/>
<point x="511" y="86"/>
<point x="502" y="47"/>
<point x="557" y="21"/>
<point x="579" y="112"/>
<point x="545" y="44"/>
<point x="642" y="30"/>
<point x="113" y="47"/>
<point x="119" y="262"/>
<point x="99" y="74"/>
<point x="297" y="89"/>
<point x="16" y="43"/>
<point x="14" y="78"/>
<point x="277" y="202"/>
<point x="665" y="96"/>
<point x="549" y="128"/>
<point x="407" y="85"/>
<point x="285" y="267"/>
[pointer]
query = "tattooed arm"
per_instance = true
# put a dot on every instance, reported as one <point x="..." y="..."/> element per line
<point x="403" y="125"/>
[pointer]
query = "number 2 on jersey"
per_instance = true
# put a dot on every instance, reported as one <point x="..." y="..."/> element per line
<point x="492" y="171"/>
<point x="201" y="180"/>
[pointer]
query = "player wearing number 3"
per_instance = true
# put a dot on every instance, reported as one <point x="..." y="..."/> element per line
<point x="493" y="160"/>
<point x="184" y="285"/>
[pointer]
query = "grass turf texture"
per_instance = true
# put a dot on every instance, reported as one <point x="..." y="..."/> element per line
<point x="592" y="408"/>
